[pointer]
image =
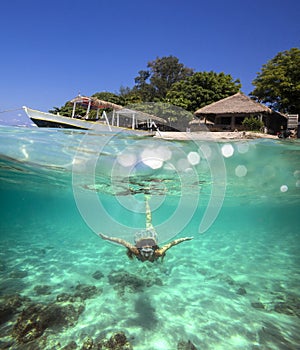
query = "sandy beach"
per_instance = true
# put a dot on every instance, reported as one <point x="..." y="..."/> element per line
<point x="208" y="135"/>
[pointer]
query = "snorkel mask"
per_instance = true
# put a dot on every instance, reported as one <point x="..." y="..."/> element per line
<point x="146" y="243"/>
<point x="146" y="252"/>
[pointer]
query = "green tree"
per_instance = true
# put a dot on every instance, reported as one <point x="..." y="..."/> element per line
<point x="109" y="97"/>
<point x="153" y="84"/>
<point x="278" y="83"/>
<point x="66" y="110"/>
<point x="201" y="89"/>
<point x="129" y="96"/>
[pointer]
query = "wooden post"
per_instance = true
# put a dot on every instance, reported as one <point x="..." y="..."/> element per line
<point x="232" y="123"/>
<point x="88" y="110"/>
<point x="74" y="108"/>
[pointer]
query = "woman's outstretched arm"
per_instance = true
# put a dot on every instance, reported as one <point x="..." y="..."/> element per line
<point x="162" y="251"/>
<point x="120" y="241"/>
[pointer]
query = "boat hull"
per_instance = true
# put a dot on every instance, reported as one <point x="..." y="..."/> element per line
<point x="49" y="120"/>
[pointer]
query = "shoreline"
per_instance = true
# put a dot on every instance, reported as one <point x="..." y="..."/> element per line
<point x="213" y="135"/>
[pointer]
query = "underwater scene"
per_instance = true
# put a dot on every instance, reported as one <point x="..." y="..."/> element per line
<point x="234" y="284"/>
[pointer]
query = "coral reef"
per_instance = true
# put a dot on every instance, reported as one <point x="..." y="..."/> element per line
<point x="82" y="292"/>
<point x="36" y="318"/>
<point x="10" y="305"/>
<point x="117" y="341"/>
<point x="289" y="306"/>
<point x="85" y="291"/>
<point x="42" y="289"/>
<point x="123" y="280"/>
<point x="185" y="345"/>
<point x="97" y="275"/>
<point x="32" y="320"/>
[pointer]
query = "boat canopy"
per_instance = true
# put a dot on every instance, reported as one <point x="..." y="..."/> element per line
<point x="138" y="115"/>
<point x="94" y="103"/>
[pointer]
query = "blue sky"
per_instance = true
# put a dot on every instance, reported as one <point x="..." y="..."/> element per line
<point x="51" y="50"/>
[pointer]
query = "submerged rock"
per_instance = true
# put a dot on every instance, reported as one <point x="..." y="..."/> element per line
<point x="123" y="280"/>
<point x="63" y="297"/>
<point x="82" y="292"/>
<point x="42" y="289"/>
<point x="118" y="341"/>
<point x="87" y="344"/>
<point x="10" y="305"/>
<point x="186" y="345"/>
<point x="290" y="306"/>
<point x="85" y="291"/>
<point x="241" y="291"/>
<point x="258" y="305"/>
<point x="97" y="275"/>
<point x="36" y="318"/>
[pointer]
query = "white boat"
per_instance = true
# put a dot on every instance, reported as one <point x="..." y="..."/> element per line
<point x="120" y="119"/>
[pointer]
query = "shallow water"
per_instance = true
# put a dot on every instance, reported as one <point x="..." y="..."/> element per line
<point x="234" y="286"/>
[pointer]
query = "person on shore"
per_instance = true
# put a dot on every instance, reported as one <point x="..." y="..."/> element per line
<point x="146" y="247"/>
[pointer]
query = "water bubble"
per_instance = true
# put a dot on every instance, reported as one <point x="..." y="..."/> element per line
<point x="193" y="158"/>
<point x="151" y="158"/>
<point x="153" y="163"/>
<point x="164" y="153"/>
<point x="127" y="159"/>
<point x="182" y="164"/>
<point x="298" y="183"/>
<point x="284" y="188"/>
<point x="227" y="150"/>
<point x="297" y="174"/>
<point x="243" y="147"/>
<point x="241" y="171"/>
<point x="205" y="149"/>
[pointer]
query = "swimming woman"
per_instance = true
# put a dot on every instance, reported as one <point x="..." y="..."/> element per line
<point x="146" y="247"/>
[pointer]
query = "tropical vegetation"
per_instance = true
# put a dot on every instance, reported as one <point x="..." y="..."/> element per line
<point x="278" y="83"/>
<point x="167" y="82"/>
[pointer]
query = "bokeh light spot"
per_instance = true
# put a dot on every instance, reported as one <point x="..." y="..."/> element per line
<point x="127" y="159"/>
<point x="241" y="171"/>
<point x="193" y="158"/>
<point x="243" y="147"/>
<point x="227" y="150"/>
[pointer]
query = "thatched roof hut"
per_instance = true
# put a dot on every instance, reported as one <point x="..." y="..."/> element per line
<point x="230" y="112"/>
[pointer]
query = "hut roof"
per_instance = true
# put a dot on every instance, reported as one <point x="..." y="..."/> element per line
<point x="235" y="104"/>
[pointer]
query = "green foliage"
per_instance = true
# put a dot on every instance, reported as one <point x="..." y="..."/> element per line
<point x="252" y="123"/>
<point x="278" y="83"/>
<point x="153" y="84"/>
<point x="109" y="97"/>
<point x="168" y="83"/>
<point x="66" y="110"/>
<point x="201" y="89"/>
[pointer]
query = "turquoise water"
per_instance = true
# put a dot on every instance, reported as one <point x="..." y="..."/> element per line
<point x="236" y="285"/>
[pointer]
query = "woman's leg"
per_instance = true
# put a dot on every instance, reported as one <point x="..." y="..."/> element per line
<point x="149" y="225"/>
